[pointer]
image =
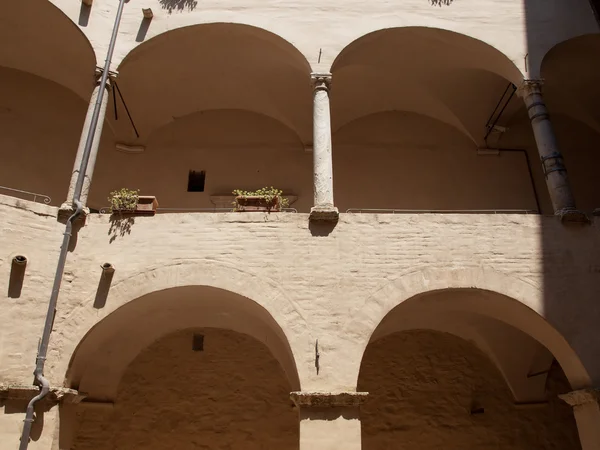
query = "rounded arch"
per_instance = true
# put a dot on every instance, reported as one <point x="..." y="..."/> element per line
<point x="506" y="300"/>
<point x="454" y="49"/>
<point x="170" y="298"/>
<point x="293" y="56"/>
<point x="216" y="66"/>
<point x="575" y="96"/>
<point x="447" y="72"/>
<point x="45" y="42"/>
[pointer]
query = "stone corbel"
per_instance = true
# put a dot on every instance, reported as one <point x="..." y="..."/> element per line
<point x="328" y="399"/>
<point x="9" y="392"/>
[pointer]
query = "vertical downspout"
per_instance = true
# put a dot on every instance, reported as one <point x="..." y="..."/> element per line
<point x="60" y="267"/>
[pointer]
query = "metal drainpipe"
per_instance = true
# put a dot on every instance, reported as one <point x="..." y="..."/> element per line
<point x="43" y="347"/>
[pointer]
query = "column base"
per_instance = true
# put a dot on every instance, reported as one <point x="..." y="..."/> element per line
<point x="324" y="213"/>
<point x="572" y="216"/>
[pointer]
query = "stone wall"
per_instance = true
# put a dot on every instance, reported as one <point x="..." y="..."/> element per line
<point x="333" y="285"/>
<point x="432" y="390"/>
<point x="307" y="278"/>
<point x="232" y="395"/>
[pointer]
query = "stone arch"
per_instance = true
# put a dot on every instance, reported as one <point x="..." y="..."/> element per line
<point x="427" y="74"/>
<point x="217" y="66"/>
<point x="45" y="42"/>
<point x="574" y="96"/>
<point x="492" y="59"/>
<point x="508" y="299"/>
<point x="428" y="85"/>
<point x="249" y="305"/>
<point x="573" y="104"/>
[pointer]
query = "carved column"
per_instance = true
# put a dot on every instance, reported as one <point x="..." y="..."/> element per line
<point x="555" y="172"/>
<point x="68" y="204"/>
<point x="587" y="414"/>
<point x="329" y="421"/>
<point x="323" y="208"/>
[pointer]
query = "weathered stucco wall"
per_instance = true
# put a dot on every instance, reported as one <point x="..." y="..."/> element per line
<point x="232" y="394"/>
<point x="432" y="390"/>
<point x="309" y="25"/>
<point x="332" y="285"/>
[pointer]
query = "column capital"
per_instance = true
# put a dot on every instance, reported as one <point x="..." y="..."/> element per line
<point x="530" y="86"/>
<point x="112" y="76"/>
<point x="328" y="399"/>
<point x="581" y="397"/>
<point x="321" y="80"/>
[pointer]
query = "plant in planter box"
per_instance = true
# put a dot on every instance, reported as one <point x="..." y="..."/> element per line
<point x="129" y="201"/>
<point x="265" y="199"/>
<point x="123" y="200"/>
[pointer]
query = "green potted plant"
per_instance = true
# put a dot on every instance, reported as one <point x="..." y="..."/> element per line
<point x="266" y="199"/>
<point x="128" y="201"/>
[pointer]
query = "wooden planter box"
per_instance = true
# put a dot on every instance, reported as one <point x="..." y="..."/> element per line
<point x="248" y="204"/>
<point x="146" y="206"/>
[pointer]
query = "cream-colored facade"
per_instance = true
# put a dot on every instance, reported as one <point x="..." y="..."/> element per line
<point x="434" y="283"/>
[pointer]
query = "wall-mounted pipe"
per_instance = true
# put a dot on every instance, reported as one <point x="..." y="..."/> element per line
<point x="108" y="271"/>
<point x="60" y="267"/>
<point x="17" y="276"/>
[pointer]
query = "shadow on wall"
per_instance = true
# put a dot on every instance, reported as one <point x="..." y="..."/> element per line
<point x="178" y="5"/>
<point x="569" y="252"/>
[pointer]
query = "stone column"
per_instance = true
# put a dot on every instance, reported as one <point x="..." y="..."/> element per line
<point x="587" y="414"/>
<point x="323" y="208"/>
<point x="555" y="172"/>
<point x="67" y="206"/>
<point x="329" y="421"/>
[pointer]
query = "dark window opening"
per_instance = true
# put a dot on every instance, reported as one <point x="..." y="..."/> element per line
<point x="198" y="343"/>
<point x="196" y="181"/>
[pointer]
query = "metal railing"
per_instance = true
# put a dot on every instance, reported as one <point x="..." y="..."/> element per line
<point x="108" y="210"/>
<point x="440" y="211"/>
<point x="46" y="199"/>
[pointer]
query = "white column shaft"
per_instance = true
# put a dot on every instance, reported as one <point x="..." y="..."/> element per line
<point x="322" y="149"/>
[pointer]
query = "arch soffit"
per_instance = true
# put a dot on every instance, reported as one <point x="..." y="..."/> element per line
<point x="260" y="290"/>
<point x="521" y="307"/>
<point x="573" y="48"/>
<point x="421" y="101"/>
<point x="455" y="125"/>
<point x="259" y="29"/>
<point x="573" y="93"/>
<point x="190" y="117"/>
<point x="251" y="95"/>
<point x="77" y="66"/>
<point x="495" y="60"/>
